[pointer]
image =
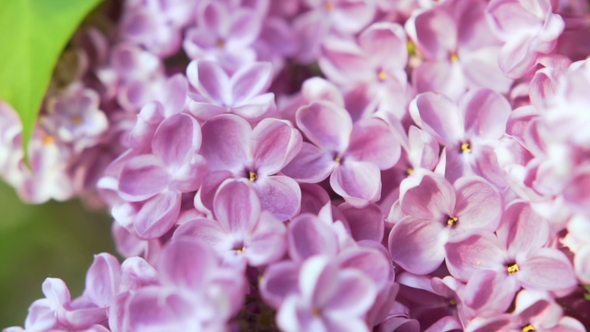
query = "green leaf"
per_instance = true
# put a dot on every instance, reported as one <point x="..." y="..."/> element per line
<point x="33" y="33"/>
<point x="587" y="295"/>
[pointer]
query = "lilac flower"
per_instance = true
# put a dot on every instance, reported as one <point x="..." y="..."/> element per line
<point x="529" y="28"/>
<point x="368" y="63"/>
<point x="460" y="50"/>
<point x="242" y="93"/>
<point x="233" y="149"/>
<point x="342" y="16"/>
<point x="329" y="299"/>
<point x="76" y="119"/>
<point x="241" y="231"/>
<point x="172" y="171"/>
<point x="352" y="154"/>
<point x="156" y="25"/>
<point x="517" y="254"/>
<point x="469" y="130"/>
<point x="194" y="293"/>
<point x="436" y="213"/>
<point x="223" y="34"/>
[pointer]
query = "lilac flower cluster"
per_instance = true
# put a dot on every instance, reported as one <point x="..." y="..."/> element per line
<point x="430" y="173"/>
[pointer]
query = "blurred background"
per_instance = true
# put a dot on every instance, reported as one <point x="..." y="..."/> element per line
<point x="38" y="241"/>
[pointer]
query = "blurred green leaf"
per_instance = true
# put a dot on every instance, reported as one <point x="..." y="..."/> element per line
<point x="32" y="35"/>
<point x="38" y="241"/>
<point x="588" y="295"/>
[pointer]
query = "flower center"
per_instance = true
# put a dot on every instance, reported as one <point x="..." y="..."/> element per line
<point x="411" y="48"/>
<point x="454" y="57"/>
<point x="240" y="250"/>
<point x="252" y="176"/>
<point x="220" y="44"/>
<point x="512" y="269"/>
<point x="316" y="312"/>
<point x="466" y="147"/>
<point x="329" y="6"/>
<point x="452" y="221"/>
<point x="528" y="328"/>
<point x="48" y="140"/>
<point x="409" y="171"/>
<point x="77" y="120"/>
<point x="381" y="75"/>
<point x="453" y="302"/>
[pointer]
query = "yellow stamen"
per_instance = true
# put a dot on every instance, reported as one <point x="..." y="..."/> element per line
<point x="466" y="147"/>
<point x="48" y="140"/>
<point x="77" y="120"/>
<point x="220" y="44"/>
<point x="316" y="312"/>
<point x="528" y="328"/>
<point x="252" y="176"/>
<point x="382" y="76"/>
<point x="453" y="302"/>
<point x="329" y="6"/>
<point x="452" y="221"/>
<point x="337" y="159"/>
<point x="239" y="251"/>
<point x="411" y="48"/>
<point x="454" y="57"/>
<point x="512" y="269"/>
<point x="409" y="171"/>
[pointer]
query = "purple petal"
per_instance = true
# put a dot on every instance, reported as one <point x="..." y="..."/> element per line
<point x="236" y="206"/>
<point x="175" y="92"/>
<point x="357" y="182"/>
<point x="207" y="232"/>
<point x="479" y="205"/>
<point x="435" y="33"/>
<point x="209" y="187"/>
<point x="439" y="116"/>
<point x="185" y="263"/>
<point x="204" y="110"/>
<point x="366" y="223"/>
<point x="279" y="280"/>
<point x="371" y="262"/>
<point x="309" y="236"/>
<point x="372" y="141"/>
<point x="546" y="269"/>
<point x="132" y="184"/>
<point x="148" y="120"/>
<point x="210" y="80"/>
<point x="489" y="292"/>
<point x="325" y="124"/>
<point x="267" y="241"/>
<point x="316" y="89"/>
<point x="190" y="175"/>
<point x="251" y="80"/>
<point x="280" y="195"/>
<point x="311" y="164"/>
<point x="384" y="42"/>
<point x="175" y="139"/>
<point x="274" y="143"/>
<point x="313" y="198"/>
<point x="225" y="143"/>
<point x="523" y="230"/>
<point x="354" y="294"/>
<point x="431" y="198"/>
<point x="423" y="149"/>
<point x="157" y="215"/>
<point x="102" y="279"/>
<point x="150" y="308"/>
<point x="486" y="113"/>
<point x="471" y="253"/>
<point x="244" y="29"/>
<point x="256" y="107"/>
<point x="417" y="244"/>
